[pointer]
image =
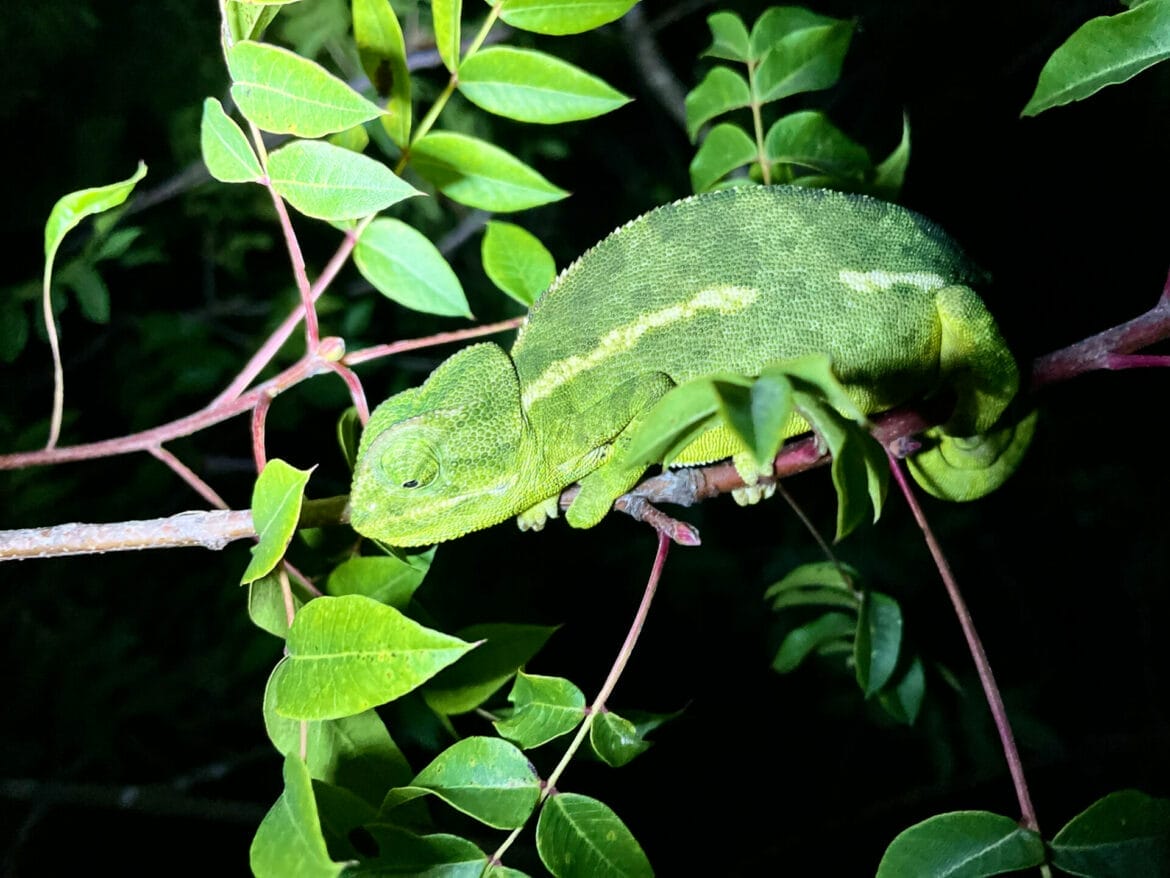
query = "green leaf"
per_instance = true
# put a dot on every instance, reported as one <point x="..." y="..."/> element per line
<point x="615" y="739"/>
<point x="248" y="21"/>
<point x="758" y="416"/>
<point x="446" y="15"/>
<point x="226" y="151"/>
<point x="879" y="640"/>
<point x="405" y="266"/>
<point x="1124" y="835"/>
<point x="530" y="86"/>
<point x="385" y="578"/>
<point x="348" y="435"/>
<point x="580" y="837"/>
<point x="340" y="812"/>
<point x="516" y="261"/>
<point x="805" y="60"/>
<point x="13" y="330"/>
<point x="331" y="183"/>
<point x="404" y="853"/>
<point x="478" y="174"/>
<point x="71" y="209"/>
<point x="485" y="778"/>
<point x="92" y="294"/>
<point x="725" y="148"/>
<point x="841" y="577"/>
<point x="543" y="708"/>
<point x="779" y="22"/>
<point x="289" y="842"/>
<point x="721" y="91"/>
<point x="807" y="639"/>
<point x="729" y="37"/>
<point x="1104" y="51"/>
<point x="276" y="509"/>
<point x="279" y="91"/>
<point x="560" y="17"/>
<point x="891" y="172"/>
<point x="678" y="417"/>
<point x="355" y="139"/>
<point x="355" y="752"/>
<point x="903" y="699"/>
<point x="468" y="684"/>
<point x="382" y="51"/>
<point x="351" y="653"/>
<point x="809" y="139"/>
<point x="266" y="607"/>
<point x="962" y="844"/>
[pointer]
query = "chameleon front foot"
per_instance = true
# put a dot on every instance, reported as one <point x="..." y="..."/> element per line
<point x="751" y="494"/>
<point x="535" y="517"/>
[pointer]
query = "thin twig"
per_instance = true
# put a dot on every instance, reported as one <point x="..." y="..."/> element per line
<point x="189" y="476"/>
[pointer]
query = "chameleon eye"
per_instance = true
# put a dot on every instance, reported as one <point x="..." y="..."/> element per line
<point x="410" y="465"/>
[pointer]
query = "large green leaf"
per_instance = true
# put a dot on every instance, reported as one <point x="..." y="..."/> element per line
<point x="809" y="139"/>
<point x="777" y="23"/>
<point x="725" y="148"/>
<point x="1124" y="835"/>
<point x="387" y="579"/>
<point x="580" y="837"/>
<point x="446" y="16"/>
<point x="1104" y="51"/>
<point x="485" y="778"/>
<point x="878" y="643"/>
<point x="516" y="261"/>
<point x="721" y="91"/>
<point x="559" y="17"/>
<point x="279" y="91"/>
<point x="351" y="653"/>
<point x="530" y="86"/>
<point x="331" y="183"/>
<point x="355" y="752"/>
<point x="478" y="174"/>
<point x="276" y="509"/>
<point x="226" y="151"/>
<point x="962" y="844"/>
<point x="405" y="266"/>
<point x="805" y="60"/>
<point x="382" y="51"/>
<point x="289" y="842"/>
<point x="469" y="683"/>
<point x="543" y="708"/>
<point x="729" y="37"/>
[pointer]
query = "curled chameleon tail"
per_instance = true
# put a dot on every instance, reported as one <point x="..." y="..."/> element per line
<point x="963" y="468"/>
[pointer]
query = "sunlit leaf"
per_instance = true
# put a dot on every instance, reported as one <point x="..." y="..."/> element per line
<point x="276" y="509"/>
<point x="328" y="182"/>
<point x="226" y="151"/>
<point x="382" y="51"/>
<point x="516" y="261"/>
<point x="446" y="15"/>
<point x="721" y="91"/>
<point x="71" y="209"/>
<point x="559" y="17"/>
<point x="403" y="265"/>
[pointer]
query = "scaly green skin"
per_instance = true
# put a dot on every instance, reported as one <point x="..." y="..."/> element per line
<point x="728" y="281"/>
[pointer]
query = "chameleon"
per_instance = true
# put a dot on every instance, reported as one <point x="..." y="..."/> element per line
<point x="731" y="280"/>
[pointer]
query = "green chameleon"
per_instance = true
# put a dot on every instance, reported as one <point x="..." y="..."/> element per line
<point x="729" y="281"/>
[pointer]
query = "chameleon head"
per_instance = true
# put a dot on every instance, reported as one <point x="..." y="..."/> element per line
<point x="442" y="459"/>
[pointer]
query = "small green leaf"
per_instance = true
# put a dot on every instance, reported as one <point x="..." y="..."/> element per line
<point x="544" y="708"/>
<point x="725" y="148"/>
<point x="891" y="172"/>
<point x="530" y="86"/>
<point x="821" y="583"/>
<point x="226" y="151"/>
<point x="279" y="91"/>
<point x="485" y="778"/>
<point x="446" y="16"/>
<point x="879" y="640"/>
<point x="759" y="415"/>
<point x="1106" y="50"/>
<point x="807" y="639"/>
<point x="721" y="91"/>
<point x="809" y="139"/>
<point x="405" y="266"/>
<point x="805" y="60"/>
<point x="382" y="51"/>
<point x="615" y="739"/>
<point x="1124" y="835"/>
<point x="560" y="17"/>
<point x="355" y="752"/>
<point x="351" y="653"/>
<point x="385" y="578"/>
<point x="468" y="684"/>
<point x="349" y="435"/>
<point x="355" y="139"/>
<point x="92" y="294"/>
<point x="580" y="837"/>
<point x="676" y="419"/>
<point x="248" y="21"/>
<point x="266" y="606"/>
<point x="404" y="853"/>
<point x="729" y="37"/>
<point x="779" y="22"/>
<point x="276" y="509"/>
<point x="71" y="209"/>
<point x="478" y="174"/>
<point x="962" y="844"/>
<point x="13" y="330"/>
<point x="330" y="183"/>
<point x="289" y="841"/>
<point x="903" y="700"/>
<point x="516" y="261"/>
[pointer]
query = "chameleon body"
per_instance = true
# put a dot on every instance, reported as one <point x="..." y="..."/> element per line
<point x="727" y="281"/>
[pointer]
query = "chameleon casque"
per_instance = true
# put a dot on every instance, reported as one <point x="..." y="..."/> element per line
<point x="727" y="281"/>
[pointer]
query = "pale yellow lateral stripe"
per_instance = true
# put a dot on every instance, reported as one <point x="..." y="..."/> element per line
<point x="877" y="281"/>
<point x="724" y="299"/>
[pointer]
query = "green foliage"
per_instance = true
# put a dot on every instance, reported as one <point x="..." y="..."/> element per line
<point x="579" y="837"/>
<point x="543" y="708"/>
<point x="516" y="261"/>
<point x="962" y="844"/>
<point x="405" y="266"/>
<point x="289" y="841"/>
<point x="276" y="509"/>
<point x="331" y="183"/>
<point x="1125" y="833"/>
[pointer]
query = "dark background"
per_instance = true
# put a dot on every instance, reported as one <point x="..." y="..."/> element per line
<point x="143" y="670"/>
